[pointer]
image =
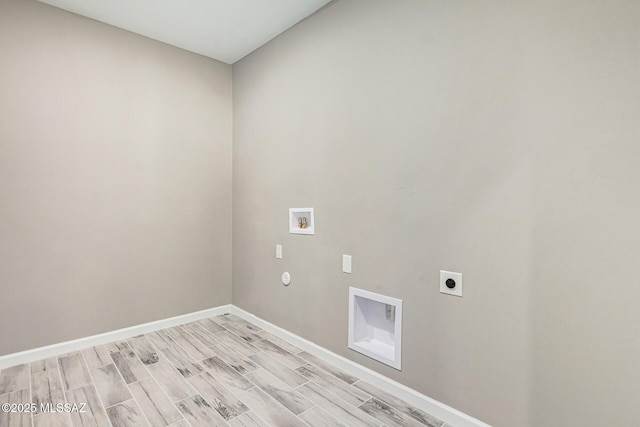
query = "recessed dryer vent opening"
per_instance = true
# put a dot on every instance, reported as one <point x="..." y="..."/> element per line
<point x="375" y="326"/>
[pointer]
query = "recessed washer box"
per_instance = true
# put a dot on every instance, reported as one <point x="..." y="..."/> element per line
<point x="375" y="326"/>
<point x="301" y="221"/>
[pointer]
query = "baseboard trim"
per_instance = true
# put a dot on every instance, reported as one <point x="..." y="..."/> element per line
<point x="82" y="343"/>
<point x="451" y="416"/>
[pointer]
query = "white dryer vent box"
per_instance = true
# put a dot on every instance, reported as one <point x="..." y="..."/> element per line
<point x="375" y="326"/>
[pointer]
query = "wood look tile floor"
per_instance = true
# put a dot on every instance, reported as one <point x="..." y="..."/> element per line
<point x="222" y="371"/>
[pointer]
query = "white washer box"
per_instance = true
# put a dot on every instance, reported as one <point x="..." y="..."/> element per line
<point x="296" y="214"/>
<point x="375" y="326"/>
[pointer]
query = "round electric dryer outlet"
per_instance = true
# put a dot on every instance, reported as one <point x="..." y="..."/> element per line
<point x="451" y="283"/>
<point x="286" y="278"/>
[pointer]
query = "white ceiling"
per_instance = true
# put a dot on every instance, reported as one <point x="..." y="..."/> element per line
<point x="226" y="30"/>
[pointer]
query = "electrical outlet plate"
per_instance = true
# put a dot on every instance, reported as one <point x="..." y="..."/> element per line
<point x="457" y="290"/>
<point x="279" y="251"/>
<point x="346" y="264"/>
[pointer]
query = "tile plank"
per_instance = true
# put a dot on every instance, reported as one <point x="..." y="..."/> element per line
<point x="170" y="380"/>
<point x="174" y="332"/>
<point x="279" y="370"/>
<point x="46" y="386"/>
<point x="211" y="326"/>
<point x="237" y="343"/>
<point x="247" y="324"/>
<point x="387" y="414"/>
<point x="227" y="317"/>
<point x="240" y="321"/>
<point x="268" y="409"/>
<point x="319" y="417"/>
<point x="96" y="357"/>
<point x="285" y="345"/>
<point x="129" y="366"/>
<point x="415" y="413"/>
<point x="285" y="395"/>
<point x="182" y="361"/>
<point x="52" y="419"/>
<point x="199" y="413"/>
<point x="201" y="334"/>
<point x="144" y="349"/>
<point x="280" y="354"/>
<point x="218" y="396"/>
<point x="338" y="373"/>
<point x="44" y="365"/>
<point x="233" y="358"/>
<point x="334" y="385"/>
<point x="117" y="346"/>
<point x="160" y="339"/>
<point x="192" y="346"/>
<point x="157" y="407"/>
<point x="110" y="386"/>
<point x="126" y="414"/>
<point x="94" y="415"/>
<point x="74" y="371"/>
<point x="15" y="419"/>
<point x="14" y="378"/>
<point x="244" y="333"/>
<point x="344" y="412"/>
<point x="227" y="375"/>
<point x="248" y="419"/>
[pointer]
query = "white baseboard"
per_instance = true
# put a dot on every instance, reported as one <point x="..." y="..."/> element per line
<point x="120" y="334"/>
<point x="452" y="417"/>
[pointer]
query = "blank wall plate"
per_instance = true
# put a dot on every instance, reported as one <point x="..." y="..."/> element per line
<point x="346" y="264"/>
<point x="457" y="277"/>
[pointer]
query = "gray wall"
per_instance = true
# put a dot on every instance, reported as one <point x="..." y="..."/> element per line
<point x="115" y="178"/>
<point x="497" y="139"/>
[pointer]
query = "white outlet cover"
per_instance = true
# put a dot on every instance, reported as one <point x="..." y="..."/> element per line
<point x="279" y="251"/>
<point x="457" y="290"/>
<point x="346" y="264"/>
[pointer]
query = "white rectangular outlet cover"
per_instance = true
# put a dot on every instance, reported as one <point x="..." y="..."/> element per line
<point x="456" y="277"/>
<point x="279" y="251"/>
<point x="346" y="263"/>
